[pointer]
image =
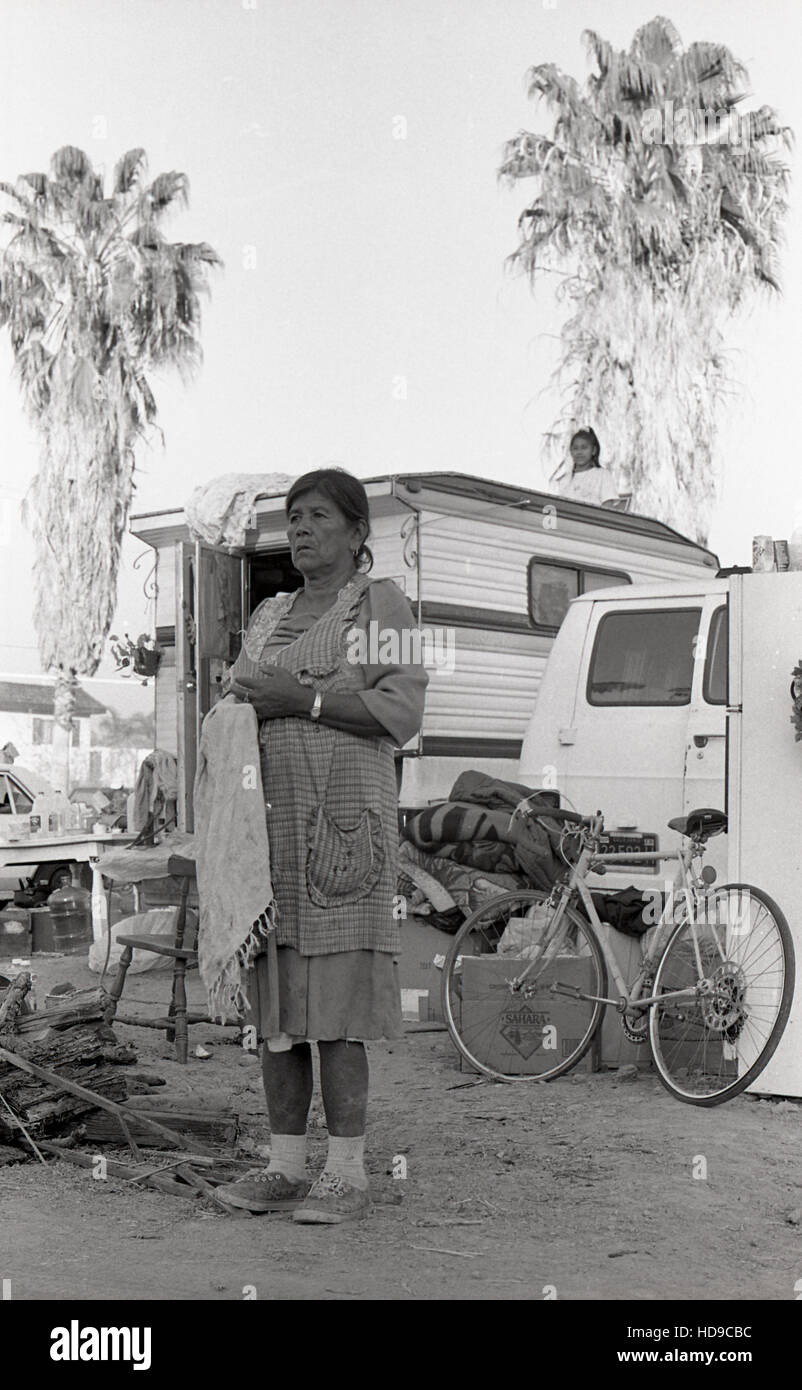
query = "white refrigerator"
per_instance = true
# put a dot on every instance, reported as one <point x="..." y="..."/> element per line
<point x="764" y="774"/>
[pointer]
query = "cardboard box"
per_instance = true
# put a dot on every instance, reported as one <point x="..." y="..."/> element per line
<point x="15" y="933"/>
<point x="420" y="943"/>
<point x="512" y="1034"/>
<point x="616" y="1048"/>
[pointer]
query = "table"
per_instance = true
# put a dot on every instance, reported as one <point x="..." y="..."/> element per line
<point x="83" y="848"/>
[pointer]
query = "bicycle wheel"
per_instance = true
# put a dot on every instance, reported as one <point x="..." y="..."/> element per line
<point x="735" y="956"/>
<point x="512" y="1029"/>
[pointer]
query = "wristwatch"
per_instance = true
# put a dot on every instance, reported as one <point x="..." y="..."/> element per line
<point x="317" y="705"/>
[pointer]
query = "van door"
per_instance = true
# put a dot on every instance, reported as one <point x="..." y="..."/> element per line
<point x="625" y="750"/>
<point x="705" y="750"/>
<point x="707" y="717"/>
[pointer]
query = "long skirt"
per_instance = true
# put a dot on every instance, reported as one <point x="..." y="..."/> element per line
<point x="353" y="995"/>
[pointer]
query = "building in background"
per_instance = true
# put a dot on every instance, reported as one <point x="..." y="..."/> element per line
<point x="103" y="751"/>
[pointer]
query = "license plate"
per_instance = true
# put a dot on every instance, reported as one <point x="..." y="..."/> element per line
<point x="636" y="842"/>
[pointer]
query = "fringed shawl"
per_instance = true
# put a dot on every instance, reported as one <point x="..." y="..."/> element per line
<point x="237" y="909"/>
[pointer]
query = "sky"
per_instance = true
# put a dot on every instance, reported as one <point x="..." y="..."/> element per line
<point x="342" y="160"/>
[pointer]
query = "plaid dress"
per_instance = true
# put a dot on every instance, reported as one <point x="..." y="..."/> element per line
<point x="332" y="818"/>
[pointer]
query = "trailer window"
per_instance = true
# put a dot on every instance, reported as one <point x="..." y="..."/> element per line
<point x="714" y="688"/>
<point x="644" y="658"/>
<point x="553" y="584"/>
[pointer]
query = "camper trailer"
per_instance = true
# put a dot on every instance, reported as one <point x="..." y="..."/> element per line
<point x="489" y="570"/>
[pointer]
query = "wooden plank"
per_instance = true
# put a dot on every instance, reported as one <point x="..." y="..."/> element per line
<point x="193" y="1129"/>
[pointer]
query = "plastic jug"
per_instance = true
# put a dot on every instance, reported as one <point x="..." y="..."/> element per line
<point x="71" y="913"/>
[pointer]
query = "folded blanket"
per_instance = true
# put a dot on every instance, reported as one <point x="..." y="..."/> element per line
<point x="481" y="830"/>
<point x="497" y="794"/>
<point x="235" y="891"/>
<point x="462" y="885"/>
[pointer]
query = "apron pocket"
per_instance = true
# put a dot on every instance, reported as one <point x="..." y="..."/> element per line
<point x="343" y="864"/>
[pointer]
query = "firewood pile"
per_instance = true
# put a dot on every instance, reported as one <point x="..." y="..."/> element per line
<point x="63" y="1082"/>
<point x="68" y="1039"/>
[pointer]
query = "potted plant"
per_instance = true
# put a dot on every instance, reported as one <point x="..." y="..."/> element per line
<point x="141" y="657"/>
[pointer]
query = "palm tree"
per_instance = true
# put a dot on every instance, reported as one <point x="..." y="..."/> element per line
<point x="95" y="298"/>
<point x="660" y="204"/>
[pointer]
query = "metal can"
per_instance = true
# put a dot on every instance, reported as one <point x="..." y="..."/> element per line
<point x="781" y="557"/>
<point x="35" y="824"/>
<point x="762" y="554"/>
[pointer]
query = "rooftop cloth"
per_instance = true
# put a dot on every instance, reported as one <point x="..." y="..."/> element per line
<point x="221" y="511"/>
<point x="235" y="889"/>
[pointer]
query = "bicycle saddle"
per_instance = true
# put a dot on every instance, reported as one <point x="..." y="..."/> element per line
<point x="701" y="824"/>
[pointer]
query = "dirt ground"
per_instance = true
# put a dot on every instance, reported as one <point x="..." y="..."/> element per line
<point x="581" y="1189"/>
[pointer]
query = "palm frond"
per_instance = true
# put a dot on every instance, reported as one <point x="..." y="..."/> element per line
<point x="70" y="167"/>
<point x="129" y="170"/>
<point x="167" y="189"/>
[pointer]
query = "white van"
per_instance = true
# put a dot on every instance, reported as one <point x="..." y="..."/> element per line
<point x="631" y="715"/>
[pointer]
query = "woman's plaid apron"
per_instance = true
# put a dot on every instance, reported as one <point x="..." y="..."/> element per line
<point x="305" y="767"/>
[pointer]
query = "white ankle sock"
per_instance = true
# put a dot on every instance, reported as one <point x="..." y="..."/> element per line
<point x="288" y="1155"/>
<point x="346" y="1159"/>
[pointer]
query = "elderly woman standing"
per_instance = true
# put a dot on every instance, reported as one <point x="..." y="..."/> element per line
<point x="328" y="725"/>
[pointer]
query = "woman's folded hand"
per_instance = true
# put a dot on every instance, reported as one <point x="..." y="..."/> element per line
<point x="275" y="694"/>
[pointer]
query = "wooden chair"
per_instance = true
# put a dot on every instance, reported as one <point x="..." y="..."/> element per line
<point x="176" y="1024"/>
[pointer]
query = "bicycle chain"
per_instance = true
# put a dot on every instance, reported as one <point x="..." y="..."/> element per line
<point x="636" y="1032"/>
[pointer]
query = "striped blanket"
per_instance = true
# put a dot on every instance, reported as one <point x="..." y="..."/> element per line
<point x="488" y="837"/>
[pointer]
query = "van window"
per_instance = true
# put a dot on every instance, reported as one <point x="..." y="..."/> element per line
<point x="714" y="687"/>
<point x="644" y="658"/>
<point x="553" y="584"/>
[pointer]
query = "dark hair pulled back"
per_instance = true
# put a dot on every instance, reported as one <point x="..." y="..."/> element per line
<point x="593" y="440"/>
<point x="348" y="496"/>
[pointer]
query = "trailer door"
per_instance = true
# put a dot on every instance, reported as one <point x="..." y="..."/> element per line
<point x="211" y="607"/>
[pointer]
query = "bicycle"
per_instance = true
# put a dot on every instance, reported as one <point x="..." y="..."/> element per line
<point x="712" y="994"/>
